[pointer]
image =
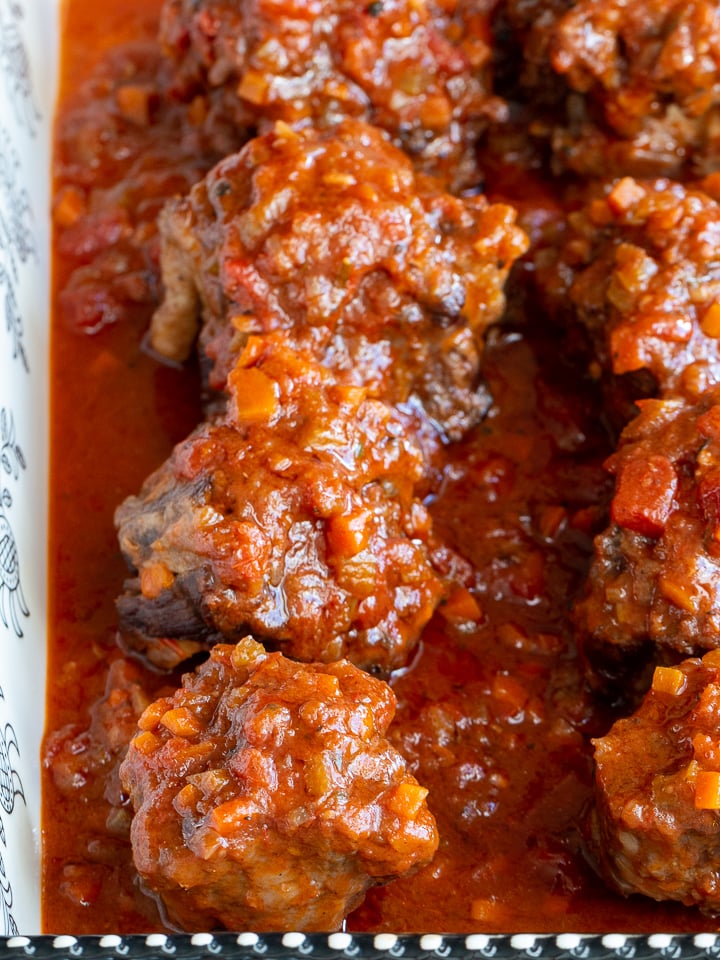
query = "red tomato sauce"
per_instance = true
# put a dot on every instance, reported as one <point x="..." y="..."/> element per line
<point x="493" y="714"/>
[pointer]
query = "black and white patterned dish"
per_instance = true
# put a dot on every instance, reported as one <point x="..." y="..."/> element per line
<point x="28" y="32"/>
<point x="384" y="946"/>
<point x="28" y="69"/>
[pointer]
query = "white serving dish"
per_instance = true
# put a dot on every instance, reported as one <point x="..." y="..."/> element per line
<point x="28" y="68"/>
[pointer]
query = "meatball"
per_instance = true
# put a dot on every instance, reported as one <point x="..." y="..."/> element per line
<point x="293" y="516"/>
<point x="637" y="268"/>
<point x="421" y="71"/>
<point x="654" y="583"/>
<point x="622" y="86"/>
<point x="331" y="237"/>
<point x="655" y="826"/>
<point x="266" y="796"/>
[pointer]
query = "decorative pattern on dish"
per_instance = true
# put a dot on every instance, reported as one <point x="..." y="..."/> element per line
<point x="291" y="946"/>
<point x="10" y="788"/>
<point x="17" y="241"/>
<point x="12" y="599"/>
<point x="15" y="66"/>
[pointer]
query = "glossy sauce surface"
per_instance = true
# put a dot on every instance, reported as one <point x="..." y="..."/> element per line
<point x="493" y="714"/>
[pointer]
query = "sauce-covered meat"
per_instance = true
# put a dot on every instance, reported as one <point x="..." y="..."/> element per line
<point x="421" y="71"/>
<point x="655" y="822"/>
<point x="331" y="236"/>
<point x="267" y="797"/>
<point x="654" y="585"/>
<point x="621" y="87"/>
<point x="636" y="267"/>
<point x="294" y="515"/>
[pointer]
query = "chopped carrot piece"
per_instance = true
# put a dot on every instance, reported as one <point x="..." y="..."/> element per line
<point x="711" y="185"/>
<point x="461" y="607"/>
<point x="228" y="816"/>
<point x="625" y="194"/>
<point x="679" y="594"/>
<point x="181" y="722"/>
<point x="151" y="717"/>
<point x="69" y="206"/>
<point x="253" y="87"/>
<point x="255" y="394"/>
<point x="488" y="911"/>
<point x="436" y="112"/>
<point x="511" y="635"/>
<point x="154" y="578"/>
<point x="347" y="536"/>
<point x="197" y="111"/>
<point x="710" y="323"/>
<point x="135" y="103"/>
<point x="599" y="213"/>
<point x="712" y="659"/>
<point x="318" y="779"/>
<point x="348" y="393"/>
<point x="509" y="692"/>
<point x="407" y="800"/>
<point x="284" y="131"/>
<point x="337" y="178"/>
<point x="146" y="742"/>
<point x="669" y="681"/>
<point x="187" y="799"/>
<point x="362" y="722"/>
<point x="707" y="790"/>
<point x="405" y="844"/>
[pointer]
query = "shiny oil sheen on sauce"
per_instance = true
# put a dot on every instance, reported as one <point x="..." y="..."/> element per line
<point x="493" y="715"/>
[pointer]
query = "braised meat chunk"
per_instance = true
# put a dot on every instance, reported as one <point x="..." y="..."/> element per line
<point x="637" y="267"/>
<point x="421" y="71"/>
<point x="86" y="757"/>
<point x="623" y="86"/>
<point x="332" y="238"/>
<point x="654" y="584"/>
<point x="266" y="796"/>
<point x="293" y="516"/>
<point x="654" y="827"/>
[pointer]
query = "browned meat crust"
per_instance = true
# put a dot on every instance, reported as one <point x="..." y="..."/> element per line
<point x="655" y="822"/>
<point x="654" y="585"/>
<point x="637" y="268"/>
<point x="331" y="237"/>
<point x="622" y="86"/>
<point x="421" y="71"/>
<point x="293" y="516"/>
<point x="267" y="797"/>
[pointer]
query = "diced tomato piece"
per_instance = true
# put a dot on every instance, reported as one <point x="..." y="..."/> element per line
<point x="644" y="495"/>
<point x="93" y="233"/>
<point x="708" y="494"/>
<point x="89" y="308"/>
